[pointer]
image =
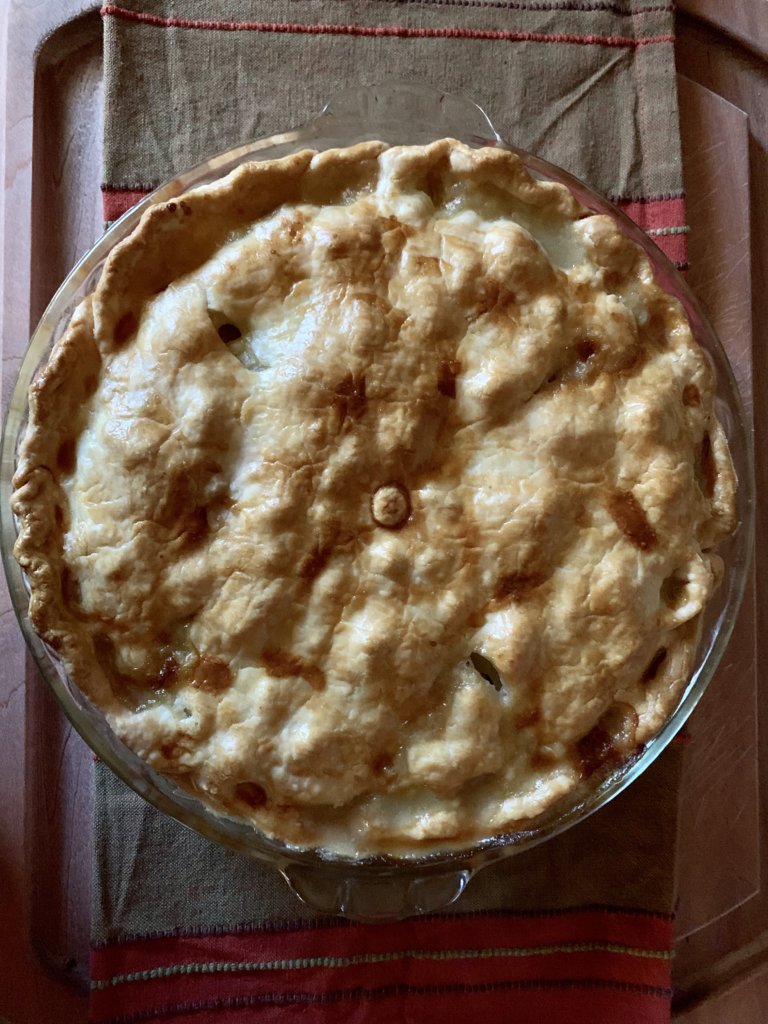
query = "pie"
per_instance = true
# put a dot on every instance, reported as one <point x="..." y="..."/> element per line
<point x="373" y="495"/>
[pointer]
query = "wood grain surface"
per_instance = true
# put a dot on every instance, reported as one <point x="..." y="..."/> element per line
<point x="35" y="989"/>
<point x="733" y="951"/>
<point x="745" y="21"/>
<point x="51" y="100"/>
<point x="720" y="791"/>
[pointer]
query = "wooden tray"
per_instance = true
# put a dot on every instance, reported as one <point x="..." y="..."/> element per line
<point x="52" y="214"/>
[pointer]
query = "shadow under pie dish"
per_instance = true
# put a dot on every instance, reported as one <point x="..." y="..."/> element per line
<point x="372" y="496"/>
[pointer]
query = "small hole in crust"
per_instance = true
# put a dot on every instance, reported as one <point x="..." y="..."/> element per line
<point x="486" y="669"/>
<point x="65" y="456"/>
<point x="652" y="669"/>
<point x="594" y="751"/>
<point x="224" y="327"/>
<point x="251" y="793"/>
<point x="706" y="470"/>
<point x="70" y="589"/>
<point x="607" y="744"/>
<point x="673" y="591"/>
<point x="229" y="332"/>
<point x="585" y="349"/>
<point x="691" y="396"/>
<point x="124" y="328"/>
<point x="446" y="377"/>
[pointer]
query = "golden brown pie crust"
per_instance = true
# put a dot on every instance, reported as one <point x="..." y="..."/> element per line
<point x="373" y="494"/>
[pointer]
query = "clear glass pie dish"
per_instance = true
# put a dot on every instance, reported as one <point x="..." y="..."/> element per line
<point x="378" y="887"/>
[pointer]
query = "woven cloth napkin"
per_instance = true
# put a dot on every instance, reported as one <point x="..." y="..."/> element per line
<point x="579" y="930"/>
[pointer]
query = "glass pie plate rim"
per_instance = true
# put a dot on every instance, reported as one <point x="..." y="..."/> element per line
<point x="394" y="112"/>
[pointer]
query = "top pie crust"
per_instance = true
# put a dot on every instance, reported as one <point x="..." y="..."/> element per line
<point x="373" y="494"/>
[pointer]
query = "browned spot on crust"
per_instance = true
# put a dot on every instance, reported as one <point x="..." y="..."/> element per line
<point x="340" y="247"/>
<point x="516" y="586"/>
<point x="612" y="280"/>
<point x="295" y="226"/>
<point x="171" y="751"/>
<point x="378" y="301"/>
<point x="628" y="514"/>
<point x="315" y="562"/>
<point x="349" y="400"/>
<point x="542" y="759"/>
<point x="186" y="209"/>
<point x="171" y="207"/>
<point x="124" y="328"/>
<point x="284" y="665"/>
<point x="65" y="456"/>
<point x="446" y="377"/>
<point x="383" y="764"/>
<point x="654" y="665"/>
<point x="427" y="264"/>
<point x="707" y="469"/>
<point x="595" y="751"/>
<point x="212" y="675"/>
<point x="251" y="793"/>
<point x="58" y="515"/>
<point x="197" y="528"/>
<point x="394" y="235"/>
<point x="527" y="719"/>
<point x="691" y="395"/>
<point x="495" y="297"/>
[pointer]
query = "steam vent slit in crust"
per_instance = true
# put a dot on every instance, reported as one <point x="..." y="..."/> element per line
<point x="373" y="495"/>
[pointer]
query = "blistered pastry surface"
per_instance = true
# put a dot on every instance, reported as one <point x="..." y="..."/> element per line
<point x="374" y="495"/>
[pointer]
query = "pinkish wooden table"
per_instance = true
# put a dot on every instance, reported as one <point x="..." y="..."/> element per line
<point x="50" y="94"/>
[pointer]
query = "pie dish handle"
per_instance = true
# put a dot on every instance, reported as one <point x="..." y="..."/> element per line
<point x="378" y="896"/>
<point x="398" y="111"/>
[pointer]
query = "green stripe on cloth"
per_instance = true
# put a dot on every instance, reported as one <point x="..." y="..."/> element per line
<point x="308" y="963"/>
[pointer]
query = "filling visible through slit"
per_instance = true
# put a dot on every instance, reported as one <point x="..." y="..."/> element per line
<point x="234" y="339"/>
<point x="486" y="669"/>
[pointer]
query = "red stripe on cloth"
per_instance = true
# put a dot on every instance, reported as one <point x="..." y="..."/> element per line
<point x="399" y="31"/>
<point x="654" y="213"/>
<point x="117" y="201"/>
<point x="664" y="220"/>
<point x="415" y="962"/>
<point x="578" y="1002"/>
<point x="563" y="5"/>
<point x="674" y="247"/>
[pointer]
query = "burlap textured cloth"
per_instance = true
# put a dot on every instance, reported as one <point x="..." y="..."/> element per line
<point x="580" y="929"/>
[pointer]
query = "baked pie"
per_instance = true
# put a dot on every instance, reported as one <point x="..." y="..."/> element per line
<point x="373" y="495"/>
